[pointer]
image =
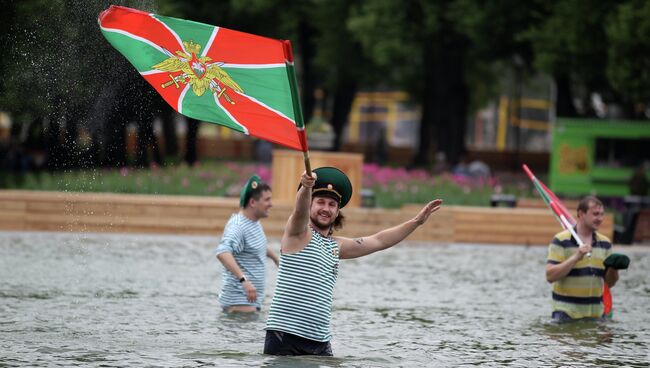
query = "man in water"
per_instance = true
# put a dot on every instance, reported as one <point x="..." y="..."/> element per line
<point x="300" y="313"/>
<point x="578" y="278"/>
<point x="243" y="250"/>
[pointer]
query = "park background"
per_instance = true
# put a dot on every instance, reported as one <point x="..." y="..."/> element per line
<point x="105" y="191"/>
<point x="442" y="99"/>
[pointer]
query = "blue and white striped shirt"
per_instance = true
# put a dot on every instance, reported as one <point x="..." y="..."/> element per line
<point x="302" y="301"/>
<point x="246" y="240"/>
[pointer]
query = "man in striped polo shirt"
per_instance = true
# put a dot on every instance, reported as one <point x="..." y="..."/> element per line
<point x="300" y="313"/>
<point x="243" y="250"/>
<point x="577" y="277"/>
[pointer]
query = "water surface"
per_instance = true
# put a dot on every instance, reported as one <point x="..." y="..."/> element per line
<point x="132" y="300"/>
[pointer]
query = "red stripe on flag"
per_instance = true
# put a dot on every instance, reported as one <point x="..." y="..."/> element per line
<point x="139" y="24"/>
<point x="541" y="187"/>
<point x="556" y="210"/>
<point x="528" y="172"/>
<point x="233" y="47"/>
<point x="561" y="207"/>
<point x="303" y="140"/>
<point x="260" y="121"/>
<point x="288" y="51"/>
<point x="169" y="93"/>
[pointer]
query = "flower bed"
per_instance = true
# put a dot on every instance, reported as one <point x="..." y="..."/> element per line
<point x="392" y="187"/>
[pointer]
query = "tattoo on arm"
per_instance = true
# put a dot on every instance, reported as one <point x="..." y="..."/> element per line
<point x="359" y="241"/>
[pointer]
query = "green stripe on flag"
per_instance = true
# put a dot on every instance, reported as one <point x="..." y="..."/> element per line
<point x="542" y="193"/>
<point x="295" y="96"/>
<point x="142" y="55"/>
<point x="204" y="108"/>
<point x="188" y="31"/>
<point x="268" y="85"/>
<point x="547" y="199"/>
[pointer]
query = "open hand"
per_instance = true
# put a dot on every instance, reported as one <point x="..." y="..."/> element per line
<point x="430" y="208"/>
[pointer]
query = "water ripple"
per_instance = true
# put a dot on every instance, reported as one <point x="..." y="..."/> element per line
<point x="115" y="300"/>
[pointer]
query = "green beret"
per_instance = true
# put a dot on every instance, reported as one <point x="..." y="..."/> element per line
<point x="333" y="183"/>
<point x="617" y="261"/>
<point x="246" y="191"/>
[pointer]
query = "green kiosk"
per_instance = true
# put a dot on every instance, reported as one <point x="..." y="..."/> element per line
<point x="598" y="156"/>
<point x="607" y="158"/>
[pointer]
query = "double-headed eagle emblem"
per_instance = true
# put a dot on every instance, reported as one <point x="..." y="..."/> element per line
<point x="200" y="72"/>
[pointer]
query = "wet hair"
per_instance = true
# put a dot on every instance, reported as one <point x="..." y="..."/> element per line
<point x="583" y="205"/>
<point x="256" y="193"/>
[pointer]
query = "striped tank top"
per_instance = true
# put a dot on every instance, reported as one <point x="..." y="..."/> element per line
<point x="302" y="301"/>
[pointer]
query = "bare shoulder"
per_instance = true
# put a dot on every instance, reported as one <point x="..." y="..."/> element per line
<point x="291" y="244"/>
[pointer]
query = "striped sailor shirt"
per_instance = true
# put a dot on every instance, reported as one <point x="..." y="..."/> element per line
<point x="302" y="301"/>
<point x="246" y="240"/>
<point x="580" y="293"/>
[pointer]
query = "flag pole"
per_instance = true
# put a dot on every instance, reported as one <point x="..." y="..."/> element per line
<point x="557" y="208"/>
<point x="295" y="99"/>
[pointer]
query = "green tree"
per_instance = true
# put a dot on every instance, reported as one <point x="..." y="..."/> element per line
<point x="288" y="20"/>
<point x="63" y="75"/>
<point x="628" y="67"/>
<point x="495" y="30"/>
<point x="571" y="45"/>
<point x="340" y="65"/>
<point x="327" y="56"/>
<point x="44" y="81"/>
<point x="422" y="50"/>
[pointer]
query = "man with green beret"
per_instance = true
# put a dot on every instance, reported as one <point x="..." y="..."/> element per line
<point x="243" y="250"/>
<point x="579" y="272"/>
<point x="299" y="317"/>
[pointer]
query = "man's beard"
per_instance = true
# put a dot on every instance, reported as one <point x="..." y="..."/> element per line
<point x="320" y="225"/>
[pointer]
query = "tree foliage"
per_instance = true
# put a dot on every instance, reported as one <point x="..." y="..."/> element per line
<point x="628" y="69"/>
<point x="60" y="74"/>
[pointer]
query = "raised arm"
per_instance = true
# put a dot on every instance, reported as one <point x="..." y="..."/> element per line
<point x="296" y="232"/>
<point x="354" y="248"/>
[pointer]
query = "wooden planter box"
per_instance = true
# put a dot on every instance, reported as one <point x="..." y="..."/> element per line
<point x="289" y="165"/>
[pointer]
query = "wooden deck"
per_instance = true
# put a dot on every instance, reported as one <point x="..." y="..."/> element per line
<point x="126" y="213"/>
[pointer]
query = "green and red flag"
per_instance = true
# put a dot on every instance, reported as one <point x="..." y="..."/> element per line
<point x="549" y="198"/>
<point x="242" y="81"/>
